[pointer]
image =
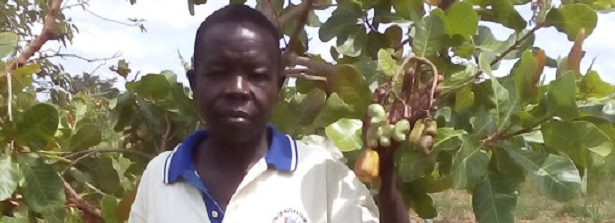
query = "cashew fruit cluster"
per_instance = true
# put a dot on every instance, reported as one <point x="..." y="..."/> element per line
<point x="423" y="134"/>
<point x="380" y="132"/>
<point x="407" y="117"/>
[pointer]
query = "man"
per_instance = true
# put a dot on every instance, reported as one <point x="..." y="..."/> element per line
<point x="241" y="169"/>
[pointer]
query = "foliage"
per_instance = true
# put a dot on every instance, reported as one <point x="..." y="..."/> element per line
<point x="79" y="151"/>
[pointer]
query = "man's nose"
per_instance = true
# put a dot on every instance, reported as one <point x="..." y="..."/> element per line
<point x="238" y="87"/>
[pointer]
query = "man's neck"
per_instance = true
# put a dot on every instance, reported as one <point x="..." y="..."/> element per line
<point x="231" y="156"/>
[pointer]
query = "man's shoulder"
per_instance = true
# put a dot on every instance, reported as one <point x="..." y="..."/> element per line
<point x="156" y="166"/>
<point x="310" y="149"/>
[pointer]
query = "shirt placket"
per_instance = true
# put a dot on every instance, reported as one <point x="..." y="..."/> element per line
<point x="214" y="211"/>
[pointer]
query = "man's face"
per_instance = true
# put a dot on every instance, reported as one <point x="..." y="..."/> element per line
<point x="236" y="83"/>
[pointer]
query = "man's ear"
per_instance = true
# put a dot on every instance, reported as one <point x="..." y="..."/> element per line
<point x="191" y="78"/>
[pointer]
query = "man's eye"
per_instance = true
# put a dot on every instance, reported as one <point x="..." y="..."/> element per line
<point x="259" y="76"/>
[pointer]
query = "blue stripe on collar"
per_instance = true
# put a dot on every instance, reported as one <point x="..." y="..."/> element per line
<point x="282" y="154"/>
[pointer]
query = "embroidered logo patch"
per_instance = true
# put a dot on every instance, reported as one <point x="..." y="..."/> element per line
<point x="289" y="215"/>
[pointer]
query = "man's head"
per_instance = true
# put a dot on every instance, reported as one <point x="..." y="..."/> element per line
<point x="237" y="72"/>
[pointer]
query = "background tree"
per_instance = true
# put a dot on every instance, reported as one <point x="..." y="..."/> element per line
<point x="62" y="160"/>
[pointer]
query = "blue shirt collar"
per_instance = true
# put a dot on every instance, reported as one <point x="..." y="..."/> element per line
<point x="282" y="154"/>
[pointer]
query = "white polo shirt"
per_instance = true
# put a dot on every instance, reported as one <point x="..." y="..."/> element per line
<point x="293" y="183"/>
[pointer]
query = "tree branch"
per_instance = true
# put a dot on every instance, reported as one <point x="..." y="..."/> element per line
<point x="302" y="74"/>
<point x="73" y="199"/>
<point x="49" y="32"/>
<point x="316" y="67"/>
<point x="303" y="11"/>
<point x="512" y="47"/>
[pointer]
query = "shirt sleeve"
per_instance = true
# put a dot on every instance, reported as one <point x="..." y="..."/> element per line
<point x="349" y="199"/>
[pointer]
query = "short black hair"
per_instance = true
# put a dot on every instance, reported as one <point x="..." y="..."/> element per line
<point x="235" y="14"/>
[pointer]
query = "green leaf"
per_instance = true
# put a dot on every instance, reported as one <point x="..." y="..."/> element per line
<point x="522" y="74"/>
<point x="43" y="189"/>
<point x="461" y="19"/>
<point x="283" y="118"/>
<point x="465" y="50"/>
<point x="386" y="63"/>
<point x="494" y="199"/>
<point x="429" y="35"/>
<point x="486" y="41"/>
<point x="483" y="123"/>
<point x="101" y="169"/>
<point x="500" y="97"/>
<point x="592" y="86"/>
<point x="109" y="203"/>
<point x="353" y="44"/>
<point x="343" y="18"/>
<point x="409" y="9"/>
<point x="470" y="163"/>
<point x="571" y="18"/>
<point x="28" y="70"/>
<point x="506" y="166"/>
<point x="464" y="99"/>
<point x="459" y="79"/>
<point x="8" y="177"/>
<point x="122" y="66"/>
<point x="416" y="197"/>
<point x="447" y="138"/>
<point x="504" y="12"/>
<point x="334" y="109"/>
<point x="542" y="14"/>
<point x="79" y="107"/>
<point x="393" y="35"/>
<point x="154" y="86"/>
<point x="577" y="140"/>
<point x="8" y="42"/>
<point x="369" y="69"/>
<point x="351" y="87"/>
<point x="87" y="136"/>
<point x="413" y="165"/>
<point x="37" y="126"/>
<point x="309" y="107"/>
<point x="555" y="176"/>
<point x="562" y="98"/>
<point x="346" y="134"/>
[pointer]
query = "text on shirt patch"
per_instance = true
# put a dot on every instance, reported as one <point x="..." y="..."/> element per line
<point x="289" y="215"/>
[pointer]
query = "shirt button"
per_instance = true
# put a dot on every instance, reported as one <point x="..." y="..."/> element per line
<point x="214" y="214"/>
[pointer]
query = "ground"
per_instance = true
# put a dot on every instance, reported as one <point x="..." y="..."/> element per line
<point x="598" y="206"/>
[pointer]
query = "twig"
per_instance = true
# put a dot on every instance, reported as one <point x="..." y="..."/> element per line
<point x="84" y="154"/>
<point x="73" y="199"/>
<point x="401" y="45"/>
<point x="9" y="72"/>
<point x="512" y="47"/>
<point x="135" y="24"/>
<point x="165" y="137"/>
<point x="400" y="69"/>
<point x="302" y="74"/>
<point x="62" y="55"/>
<point x="73" y="5"/>
<point x="112" y="150"/>
<point x="303" y="11"/>
<point x="369" y="24"/>
<point x="434" y="85"/>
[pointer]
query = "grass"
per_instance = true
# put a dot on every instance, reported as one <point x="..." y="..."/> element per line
<point x="597" y="206"/>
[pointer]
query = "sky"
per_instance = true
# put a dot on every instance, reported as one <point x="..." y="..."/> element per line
<point x="171" y="29"/>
